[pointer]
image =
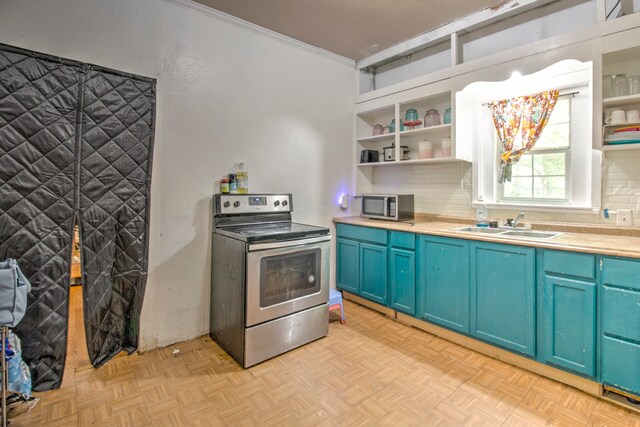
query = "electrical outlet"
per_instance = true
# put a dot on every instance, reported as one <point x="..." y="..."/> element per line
<point x="623" y="217"/>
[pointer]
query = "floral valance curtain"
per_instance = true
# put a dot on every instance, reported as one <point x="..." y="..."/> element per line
<point x="528" y="114"/>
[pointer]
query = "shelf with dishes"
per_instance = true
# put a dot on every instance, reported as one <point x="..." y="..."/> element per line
<point x="621" y="136"/>
<point x="376" y="125"/>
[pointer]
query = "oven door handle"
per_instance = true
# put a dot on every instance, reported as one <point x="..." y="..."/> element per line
<point x="385" y="208"/>
<point x="288" y="243"/>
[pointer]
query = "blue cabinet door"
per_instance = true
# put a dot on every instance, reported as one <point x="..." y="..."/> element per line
<point x="570" y="324"/>
<point x="373" y="272"/>
<point x="347" y="265"/>
<point x="402" y="275"/>
<point x="444" y="281"/>
<point x="503" y="295"/>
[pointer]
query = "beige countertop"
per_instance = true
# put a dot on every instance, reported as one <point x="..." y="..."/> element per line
<point x="614" y="241"/>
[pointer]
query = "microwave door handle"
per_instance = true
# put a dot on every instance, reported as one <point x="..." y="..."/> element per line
<point x="385" y="209"/>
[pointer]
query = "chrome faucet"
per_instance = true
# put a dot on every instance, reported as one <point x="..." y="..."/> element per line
<point x="516" y="221"/>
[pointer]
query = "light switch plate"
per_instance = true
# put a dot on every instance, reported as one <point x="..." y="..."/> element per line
<point x="623" y="217"/>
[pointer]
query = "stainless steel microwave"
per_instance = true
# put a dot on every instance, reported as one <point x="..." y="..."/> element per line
<point x="392" y="207"/>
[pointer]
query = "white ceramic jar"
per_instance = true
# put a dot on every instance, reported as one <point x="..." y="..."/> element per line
<point x="445" y="145"/>
<point x="425" y="149"/>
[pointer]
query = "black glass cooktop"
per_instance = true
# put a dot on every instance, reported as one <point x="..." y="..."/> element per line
<point x="271" y="231"/>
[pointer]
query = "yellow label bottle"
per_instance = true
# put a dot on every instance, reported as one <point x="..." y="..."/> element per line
<point x="242" y="178"/>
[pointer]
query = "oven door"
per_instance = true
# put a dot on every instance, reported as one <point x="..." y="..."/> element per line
<point x="286" y="277"/>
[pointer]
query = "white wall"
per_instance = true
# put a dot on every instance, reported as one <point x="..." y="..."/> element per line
<point x="225" y="94"/>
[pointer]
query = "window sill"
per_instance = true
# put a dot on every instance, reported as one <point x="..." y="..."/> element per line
<point x="539" y="208"/>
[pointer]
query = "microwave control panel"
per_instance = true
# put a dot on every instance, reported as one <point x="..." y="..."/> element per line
<point x="392" y="207"/>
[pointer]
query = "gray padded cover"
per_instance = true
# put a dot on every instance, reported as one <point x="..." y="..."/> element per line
<point x="38" y="115"/>
<point x="115" y="178"/>
<point x="75" y="139"/>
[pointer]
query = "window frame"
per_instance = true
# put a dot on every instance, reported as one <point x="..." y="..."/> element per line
<point x="475" y="123"/>
<point x="566" y="150"/>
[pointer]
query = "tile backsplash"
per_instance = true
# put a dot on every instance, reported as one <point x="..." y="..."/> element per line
<point x="445" y="189"/>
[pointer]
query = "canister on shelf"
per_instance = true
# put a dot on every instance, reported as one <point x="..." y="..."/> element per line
<point x="411" y="115"/>
<point x="620" y="85"/>
<point x="445" y="144"/>
<point x="432" y="118"/>
<point x="447" y="116"/>
<point x="425" y="149"/>
<point x="392" y="126"/>
<point x="634" y="85"/>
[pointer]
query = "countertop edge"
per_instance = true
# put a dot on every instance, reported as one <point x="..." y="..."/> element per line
<point x="592" y="243"/>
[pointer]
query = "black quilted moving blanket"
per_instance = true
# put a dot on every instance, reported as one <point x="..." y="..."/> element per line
<point x="115" y="179"/>
<point x="76" y="143"/>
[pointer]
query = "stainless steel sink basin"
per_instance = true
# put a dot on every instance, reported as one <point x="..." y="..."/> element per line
<point x="508" y="234"/>
<point x="531" y="234"/>
<point x="480" y="230"/>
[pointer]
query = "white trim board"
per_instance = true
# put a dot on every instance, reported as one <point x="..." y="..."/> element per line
<point x="467" y="23"/>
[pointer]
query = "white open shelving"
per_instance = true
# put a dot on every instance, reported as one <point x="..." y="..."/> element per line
<point x="623" y="61"/>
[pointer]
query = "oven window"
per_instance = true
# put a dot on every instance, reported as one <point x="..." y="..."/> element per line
<point x="373" y="206"/>
<point x="288" y="277"/>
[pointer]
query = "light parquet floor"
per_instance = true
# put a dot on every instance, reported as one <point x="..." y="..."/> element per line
<point x="370" y="371"/>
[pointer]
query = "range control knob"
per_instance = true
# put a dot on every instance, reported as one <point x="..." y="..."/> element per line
<point x="226" y="204"/>
<point x="276" y="203"/>
<point x="236" y="204"/>
<point x="285" y="203"/>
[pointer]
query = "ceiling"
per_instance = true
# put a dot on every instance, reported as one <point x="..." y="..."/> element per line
<point x="354" y="29"/>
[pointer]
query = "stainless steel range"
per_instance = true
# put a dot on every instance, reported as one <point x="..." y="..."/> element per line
<point x="269" y="279"/>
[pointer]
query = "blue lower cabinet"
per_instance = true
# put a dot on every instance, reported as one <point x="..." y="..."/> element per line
<point x="361" y="261"/>
<point x="503" y="295"/>
<point x="621" y="324"/>
<point x="347" y="265"/>
<point x="373" y="272"/>
<point x="570" y="324"/>
<point x="402" y="280"/>
<point x="444" y="281"/>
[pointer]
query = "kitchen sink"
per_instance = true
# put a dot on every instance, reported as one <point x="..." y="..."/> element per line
<point x="501" y="232"/>
<point x="531" y="234"/>
<point x="479" y="230"/>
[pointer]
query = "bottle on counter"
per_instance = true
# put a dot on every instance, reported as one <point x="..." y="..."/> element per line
<point x="482" y="215"/>
<point x="242" y="178"/>
<point x="224" y="185"/>
<point x="233" y="184"/>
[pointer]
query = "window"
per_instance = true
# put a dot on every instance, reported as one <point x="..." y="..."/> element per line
<point x="562" y="171"/>
<point x="542" y="174"/>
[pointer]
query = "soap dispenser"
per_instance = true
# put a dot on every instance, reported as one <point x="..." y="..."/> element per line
<point x="482" y="214"/>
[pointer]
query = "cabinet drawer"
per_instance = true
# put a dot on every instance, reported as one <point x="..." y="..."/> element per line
<point x="570" y="264"/>
<point x="367" y="234"/>
<point x="621" y="313"/>
<point x="619" y="364"/>
<point x="621" y="272"/>
<point x="400" y="239"/>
